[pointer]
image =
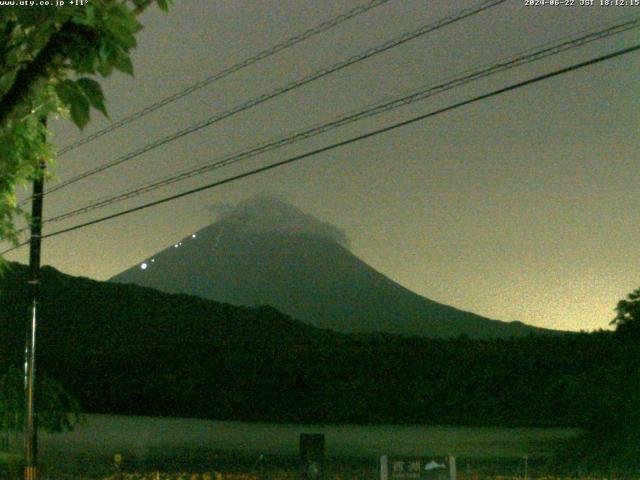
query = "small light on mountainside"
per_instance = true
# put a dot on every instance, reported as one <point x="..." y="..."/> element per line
<point x="176" y="245"/>
<point x="144" y="266"/>
<point x="193" y="236"/>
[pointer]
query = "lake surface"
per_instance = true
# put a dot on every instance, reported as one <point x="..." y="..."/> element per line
<point x="101" y="436"/>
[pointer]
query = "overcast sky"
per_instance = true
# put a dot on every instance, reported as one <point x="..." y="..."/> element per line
<point x="524" y="206"/>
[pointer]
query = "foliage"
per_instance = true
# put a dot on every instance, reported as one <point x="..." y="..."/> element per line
<point x="11" y="466"/>
<point x="56" y="409"/>
<point x="627" y="319"/>
<point x="47" y="60"/>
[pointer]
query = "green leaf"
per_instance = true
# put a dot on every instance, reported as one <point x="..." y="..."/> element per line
<point x="90" y="12"/>
<point x="80" y="111"/>
<point x="74" y="97"/>
<point x="120" y="14"/>
<point x="124" y="36"/>
<point x="6" y="81"/>
<point x="93" y="92"/>
<point x="86" y="61"/>
<point x="82" y="21"/>
<point x="65" y="91"/>
<point x="123" y="63"/>
<point x="105" y="69"/>
<point x="163" y="4"/>
<point x="105" y="53"/>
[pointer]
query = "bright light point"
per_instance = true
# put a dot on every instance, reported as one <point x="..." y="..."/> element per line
<point x="153" y="260"/>
<point x="176" y="245"/>
<point x="144" y="266"/>
<point x="193" y="236"/>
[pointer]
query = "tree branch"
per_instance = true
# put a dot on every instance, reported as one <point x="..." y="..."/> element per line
<point x="28" y="78"/>
<point x="48" y="60"/>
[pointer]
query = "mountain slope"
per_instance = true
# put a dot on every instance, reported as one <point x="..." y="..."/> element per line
<point x="133" y="350"/>
<point x="128" y="349"/>
<point x="309" y="276"/>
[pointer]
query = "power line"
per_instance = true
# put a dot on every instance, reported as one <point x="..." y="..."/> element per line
<point x="333" y="146"/>
<point x="290" y="42"/>
<point x="530" y="55"/>
<point x="406" y="37"/>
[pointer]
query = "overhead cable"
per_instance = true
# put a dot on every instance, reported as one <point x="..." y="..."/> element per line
<point x="336" y="145"/>
<point x="528" y="56"/>
<point x="290" y="42"/>
<point x="406" y="37"/>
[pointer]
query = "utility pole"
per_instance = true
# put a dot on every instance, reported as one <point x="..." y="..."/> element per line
<point x="30" y="427"/>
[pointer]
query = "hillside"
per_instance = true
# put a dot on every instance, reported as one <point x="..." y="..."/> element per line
<point x="132" y="350"/>
<point x="267" y="252"/>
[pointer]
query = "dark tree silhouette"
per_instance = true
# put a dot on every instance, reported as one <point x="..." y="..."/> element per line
<point x="627" y="320"/>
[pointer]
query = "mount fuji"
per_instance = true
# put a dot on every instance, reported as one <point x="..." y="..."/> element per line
<point x="267" y="252"/>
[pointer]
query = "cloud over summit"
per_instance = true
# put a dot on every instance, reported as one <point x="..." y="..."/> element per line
<point x="268" y="214"/>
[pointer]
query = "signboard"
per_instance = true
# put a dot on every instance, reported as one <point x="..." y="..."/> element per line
<point x="396" y="468"/>
<point x="405" y="469"/>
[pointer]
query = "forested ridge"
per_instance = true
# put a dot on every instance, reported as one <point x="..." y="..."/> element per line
<point x="132" y="350"/>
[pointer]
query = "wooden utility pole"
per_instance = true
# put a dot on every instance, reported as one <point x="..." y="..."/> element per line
<point x="31" y="427"/>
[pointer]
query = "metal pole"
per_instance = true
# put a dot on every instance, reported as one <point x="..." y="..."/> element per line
<point x="30" y="428"/>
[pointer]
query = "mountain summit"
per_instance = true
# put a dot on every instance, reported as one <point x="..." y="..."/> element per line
<point x="267" y="252"/>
